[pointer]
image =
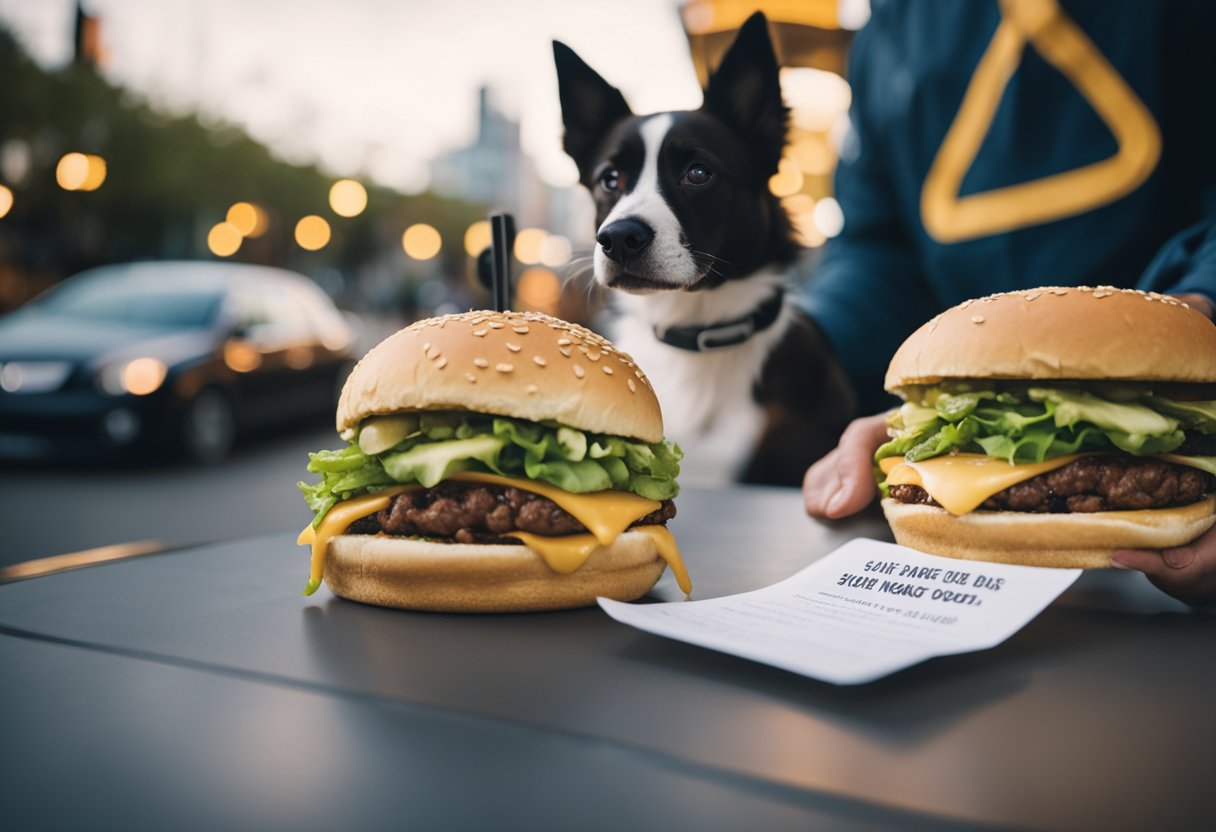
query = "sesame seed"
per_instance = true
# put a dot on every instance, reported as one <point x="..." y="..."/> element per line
<point x="426" y="347"/>
<point x="504" y="368"/>
<point x="513" y="347"/>
<point x="441" y="363"/>
<point x="480" y="332"/>
<point x="481" y="363"/>
<point x="1101" y="294"/>
<point x="531" y="389"/>
<point x="563" y="342"/>
<point x="977" y="319"/>
<point x="495" y="325"/>
<point x="593" y="356"/>
<point x="1032" y="296"/>
<point x="564" y="351"/>
<point x="472" y="378"/>
<point x="607" y="370"/>
<point x="578" y="370"/>
<point x="522" y="329"/>
<point x="633" y="388"/>
<point x="538" y="361"/>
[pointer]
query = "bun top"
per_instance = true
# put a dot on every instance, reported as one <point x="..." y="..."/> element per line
<point x="1056" y="332"/>
<point x="525" y="365"/>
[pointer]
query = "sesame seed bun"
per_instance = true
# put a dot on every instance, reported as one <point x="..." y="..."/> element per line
<point x="1075" y="541"/>
<point x="1076" y="333"/>
<point x="525" y="365"/>
<point x="455" y="577"/>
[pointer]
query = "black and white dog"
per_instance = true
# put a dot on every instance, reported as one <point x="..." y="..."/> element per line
<point x="686" y="227"/>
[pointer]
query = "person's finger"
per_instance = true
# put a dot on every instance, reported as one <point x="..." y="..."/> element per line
<point x="1186" y="572"/>
<point x="820" y="484"/>
<point x="842" y="483"/>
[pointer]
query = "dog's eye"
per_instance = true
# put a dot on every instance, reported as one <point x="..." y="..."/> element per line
<point x="610" y="179"/>
<point x="697" y="175"/>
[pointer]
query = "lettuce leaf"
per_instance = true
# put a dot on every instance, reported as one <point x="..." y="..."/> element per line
<point x="1033" y="424"/>
<point x="446" y="443"/>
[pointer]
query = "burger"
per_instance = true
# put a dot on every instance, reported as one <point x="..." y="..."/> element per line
<point x="495" y="462"/>
<point x="1053" y="426"/>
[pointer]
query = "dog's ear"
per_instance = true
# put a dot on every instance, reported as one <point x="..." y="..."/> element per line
<point x="745" y="92"/>
<point x="590" y="106"/>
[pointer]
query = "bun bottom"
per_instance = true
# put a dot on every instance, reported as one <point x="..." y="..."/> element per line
<point x="1071" y="541"/>
<point x="457" y="577"/>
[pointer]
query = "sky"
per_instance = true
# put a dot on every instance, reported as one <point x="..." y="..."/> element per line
<point x="373" y="88"/>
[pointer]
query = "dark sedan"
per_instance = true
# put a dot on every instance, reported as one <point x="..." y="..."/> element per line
<point x="179" y="355"/>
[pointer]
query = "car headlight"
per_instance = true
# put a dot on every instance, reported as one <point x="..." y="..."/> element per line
<point x="139" y="377"/>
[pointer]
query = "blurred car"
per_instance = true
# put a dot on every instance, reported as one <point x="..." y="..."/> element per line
<point x="180" y="355"/>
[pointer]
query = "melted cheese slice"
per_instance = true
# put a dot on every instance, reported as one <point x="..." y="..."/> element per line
<point x="961" y="482"/>
<point x="606" y="514"/>
<point x="337" y="520"/>
<point x="567" y="553"/>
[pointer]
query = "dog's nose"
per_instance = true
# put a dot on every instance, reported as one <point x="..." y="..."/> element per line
<point x="624" y="239"/>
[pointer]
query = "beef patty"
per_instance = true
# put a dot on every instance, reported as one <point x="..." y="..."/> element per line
<point x="1092" y="483"/>
<point x="477" y="513"/>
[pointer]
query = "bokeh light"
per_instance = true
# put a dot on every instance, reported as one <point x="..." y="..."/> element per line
<point x="6" y="201"/>
<point x="421" y="241"/>
<point x="224" y="239"/>
<point x="787" y="180"/>
<point x="555" y="250"/>
<point x="528" y="243"/>
<point x="801" y="209"/>
<point x="80" y="172"/>
<point x="96" y="175"/>
<point x="539" y="289"/>
<point x="312" y="233"/>
<point x="241" y="357"/>
<point x="248" y="219"/>
<point x="347" y="198"/>
<point x="477" y="238"/>
<point x="143" y="376"/>
<point x="828" y="216"/>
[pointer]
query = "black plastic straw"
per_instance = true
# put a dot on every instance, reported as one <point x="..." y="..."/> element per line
<point x="502" y="237"/>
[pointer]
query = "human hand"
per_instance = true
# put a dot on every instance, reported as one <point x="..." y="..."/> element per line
<point x="1186" y="572"/>
<point x="842" y="483"/>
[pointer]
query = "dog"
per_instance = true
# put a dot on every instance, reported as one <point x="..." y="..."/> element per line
<point x="688" y="232"/>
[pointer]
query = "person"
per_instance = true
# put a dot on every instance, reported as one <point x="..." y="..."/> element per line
<point x="1006" y="145"/>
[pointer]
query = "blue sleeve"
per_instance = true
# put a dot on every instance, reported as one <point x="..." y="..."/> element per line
<point x="868" y="293"/>
<point x="1186" y="264"/>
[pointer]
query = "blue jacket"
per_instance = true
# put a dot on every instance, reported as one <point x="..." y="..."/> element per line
<point x="1003" y="146"/>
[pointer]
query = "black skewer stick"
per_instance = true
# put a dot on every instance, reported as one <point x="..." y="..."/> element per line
<point x="502" y="239"/>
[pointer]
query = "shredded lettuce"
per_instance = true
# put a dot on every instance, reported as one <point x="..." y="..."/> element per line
<point x="445" y="443"/>
<point x="1032" y="424"/>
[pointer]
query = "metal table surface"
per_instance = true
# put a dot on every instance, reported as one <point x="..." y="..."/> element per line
<point x="196" y="689"/>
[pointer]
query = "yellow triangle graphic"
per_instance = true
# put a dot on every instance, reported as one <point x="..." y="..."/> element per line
<point x="949" y="218"/>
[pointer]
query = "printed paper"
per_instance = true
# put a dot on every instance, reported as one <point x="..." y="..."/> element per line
<point x="862" y="612"/>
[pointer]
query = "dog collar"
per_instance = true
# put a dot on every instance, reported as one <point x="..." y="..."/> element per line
<point x="727" y="333"/>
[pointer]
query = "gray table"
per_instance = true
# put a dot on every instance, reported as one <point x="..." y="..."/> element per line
<point x="196" y="689"/>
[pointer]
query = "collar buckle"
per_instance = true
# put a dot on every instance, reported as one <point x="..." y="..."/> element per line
<point x="721" y="337"/>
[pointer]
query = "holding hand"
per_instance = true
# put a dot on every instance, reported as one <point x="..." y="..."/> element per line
<point x="842" y="483"/>
<point x="1186" y="572"/>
